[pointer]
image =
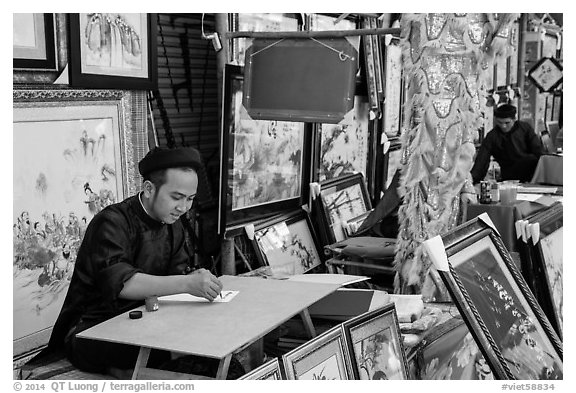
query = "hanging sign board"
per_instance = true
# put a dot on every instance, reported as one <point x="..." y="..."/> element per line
<point x="301" y="79"/>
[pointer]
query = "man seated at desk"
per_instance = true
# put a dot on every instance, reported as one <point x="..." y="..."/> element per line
<point x="512" y="143"/>
<point x="132" y="250"/>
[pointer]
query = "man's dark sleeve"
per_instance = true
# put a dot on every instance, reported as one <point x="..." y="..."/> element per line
<point x="534" y="143"/>
<point x="111" y="260"/>
<point x="482" y="161"/>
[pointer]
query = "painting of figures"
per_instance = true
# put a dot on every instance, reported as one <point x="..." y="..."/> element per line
<point x="345" y="146"/>
<point x="69" y="164"/>
<point x="114" y="44"/>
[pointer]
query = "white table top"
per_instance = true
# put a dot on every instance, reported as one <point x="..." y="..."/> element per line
<point x="214" y="329"/>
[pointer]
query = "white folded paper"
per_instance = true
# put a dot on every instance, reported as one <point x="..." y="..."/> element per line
<point x="224" y="297"/>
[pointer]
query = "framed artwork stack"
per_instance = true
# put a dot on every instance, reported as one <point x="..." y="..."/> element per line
<point x="102" y="51"/>
<point x="510" y="328"/>
<point x="365" y="347"/>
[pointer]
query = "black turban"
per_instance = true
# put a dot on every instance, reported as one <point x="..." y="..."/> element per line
<point x="163" y="158"/>
<point x="505" y="111"/>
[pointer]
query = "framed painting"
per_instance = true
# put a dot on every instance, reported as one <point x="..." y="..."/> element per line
<point x="548" y="107"/>
<point x="265" y="165"/>
<point x="375" y="345"/>
<point x="113" y="51"/>
<point x="514" y="335"/>
<point x="546" y="263"/>
<point x="345" y="148"/>
<point x="513" y="59"/>
<point x="269" y="371"/>
<point x="340" y="200"/>
<point x="378" y="61"/>
<point x="75" y="152"/>
<point x="325" y="357"/>
<point x="287" y="243"/>
<point x="557" y="108"/>
<point x="549" y="46"/>
<point x="546" y="74"/>
<point x="34" y="44"/>
<point x="39" y="47"/>
<point x="501" y="72"/>
<point x="371" y="71"/>
<point x="393" y="82"/>
<point x="258" y="22"/>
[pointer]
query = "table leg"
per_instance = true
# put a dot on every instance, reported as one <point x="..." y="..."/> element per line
<point x="141" y="361"/>
<point x="223" y="367"/>
<point x="308" y="325"/>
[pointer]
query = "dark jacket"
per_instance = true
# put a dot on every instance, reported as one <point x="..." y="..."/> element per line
<point x="120" y="241"/>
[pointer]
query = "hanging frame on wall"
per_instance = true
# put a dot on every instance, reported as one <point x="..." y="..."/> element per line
<point x="546" y="74"/>
<point x="39" y="48"/>
<point x="113" y="51"/>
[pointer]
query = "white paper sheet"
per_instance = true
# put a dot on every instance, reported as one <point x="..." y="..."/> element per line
<point x="528" y="197"/>
<point x="225" y="297"/>
<point x="536" y="190"/>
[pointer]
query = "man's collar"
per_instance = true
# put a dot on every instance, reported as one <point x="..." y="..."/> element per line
<point x="144" y="207"/>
